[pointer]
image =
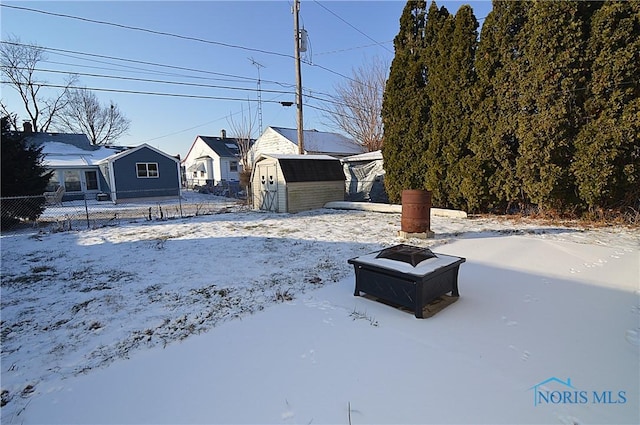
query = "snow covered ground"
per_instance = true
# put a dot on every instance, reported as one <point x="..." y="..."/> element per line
<point x="249" y="317"/>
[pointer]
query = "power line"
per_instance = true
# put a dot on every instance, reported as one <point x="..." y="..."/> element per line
<point x="146" y="80"/>
<point x="129" y="60"/>
<point x="354" y="48"/>
<point x="348" y="23"/>
<point x="146" y="30"/>
<point x="162" y="33"/>
<point x="201" y="40"/>
<point x="140" y="92"/>
<point x="140" y="71"/>
<point x="309" y="95"/>
<point x="56" y="50"/>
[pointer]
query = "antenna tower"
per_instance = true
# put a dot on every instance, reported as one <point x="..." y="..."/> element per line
<point x="258" y="66"/>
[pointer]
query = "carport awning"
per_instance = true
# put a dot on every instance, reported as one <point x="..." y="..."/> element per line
<point x="198" y="166"/>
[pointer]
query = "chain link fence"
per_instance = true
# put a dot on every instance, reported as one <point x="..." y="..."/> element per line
<point x="91" y="211"/>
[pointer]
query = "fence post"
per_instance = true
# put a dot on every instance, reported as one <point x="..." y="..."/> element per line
<point x="180" y="202"/>
<point x="86" y="210"/>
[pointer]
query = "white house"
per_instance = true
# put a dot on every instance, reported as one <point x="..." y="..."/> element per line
<point x="212" y="160"/>
<point x="278" y="140"/>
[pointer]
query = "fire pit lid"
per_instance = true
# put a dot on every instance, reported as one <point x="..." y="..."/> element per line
<point x="413" y="255"/>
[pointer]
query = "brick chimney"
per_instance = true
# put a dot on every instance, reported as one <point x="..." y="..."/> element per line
<point x="223" y="133"/>
<point x="27" y="127"/>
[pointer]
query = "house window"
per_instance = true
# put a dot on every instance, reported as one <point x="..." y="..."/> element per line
<point x="54" y="182"/>
<point x="72" y="181"/>
<point x="91" y="179"/>
<point x="147" y="170"/>
<point x="202" y="173"/>
<point x="233" y="166"/>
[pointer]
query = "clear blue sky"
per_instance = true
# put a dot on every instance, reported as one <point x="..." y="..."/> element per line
<point x="343" y="35"/>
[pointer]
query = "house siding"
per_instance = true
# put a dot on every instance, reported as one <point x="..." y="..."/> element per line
<point x="225" y="172"/>
<point x="272" y="142"/>
<point x="130" y="186"/>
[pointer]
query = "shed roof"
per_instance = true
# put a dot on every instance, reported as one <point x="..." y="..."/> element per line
<point x="309" y="168"/>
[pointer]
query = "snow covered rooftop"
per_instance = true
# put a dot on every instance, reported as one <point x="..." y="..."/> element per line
<point x="59" y="154"/>
<point x="295" y="156"/>
<point x="367" y="156"/>
<point x="321" y="141"/>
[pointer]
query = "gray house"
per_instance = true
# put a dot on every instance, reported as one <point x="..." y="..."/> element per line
<point x="143" y="172"/>
<point x="86" y="171"/>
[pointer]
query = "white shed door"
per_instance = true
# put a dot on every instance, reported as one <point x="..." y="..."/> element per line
<point x="268" y="187"/>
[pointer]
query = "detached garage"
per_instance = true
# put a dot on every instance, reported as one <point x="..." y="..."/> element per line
<point x="294" y="183"/>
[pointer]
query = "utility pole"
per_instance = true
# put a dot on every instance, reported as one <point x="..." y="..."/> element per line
<point x="296" y="9"/>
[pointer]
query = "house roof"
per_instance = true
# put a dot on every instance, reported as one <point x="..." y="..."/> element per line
<point x="80" y="141"/>
<point x="118" y="155"/>
<point x="75" y="150"/>
<point x="223" y="147"/>
<point x="321" y="141"/>
<point x="304" y="168"/>
<point x="69" y="150"/>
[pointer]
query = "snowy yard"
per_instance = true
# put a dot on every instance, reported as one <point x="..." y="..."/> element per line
<point x="249" y="317"/>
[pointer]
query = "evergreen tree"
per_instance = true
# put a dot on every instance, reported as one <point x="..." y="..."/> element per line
<point x="457" y="88"/>
<point x="552" y="74"/>
<point x="438" y="34"/>
<point x="607" y="157"/>
<point x="22" y="175"/>
<point x="480" y="164"/>
<point x="405" y="109"/>
<point x="494" y="139"/>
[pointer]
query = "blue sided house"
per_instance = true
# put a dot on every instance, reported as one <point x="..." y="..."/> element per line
<point x="115" y="173"/>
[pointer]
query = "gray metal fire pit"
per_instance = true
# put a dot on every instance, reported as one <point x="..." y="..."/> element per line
<point x="406" y="275"/>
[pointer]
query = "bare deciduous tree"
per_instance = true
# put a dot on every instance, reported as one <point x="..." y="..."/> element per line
<point x="84" y="114"/>
<point x="19" y="62"/>
<point x="356" y="109"/>
<point x="243" y="131"/>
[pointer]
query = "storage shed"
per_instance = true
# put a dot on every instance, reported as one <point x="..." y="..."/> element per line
<point x="294" y="183"/>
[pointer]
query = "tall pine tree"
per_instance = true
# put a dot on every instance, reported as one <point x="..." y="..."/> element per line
<point x="494" y="138"/>
<point x="438" y="34"/>
<point x="607" y="157"/>
<point x="405" y="109"/>
<point x="460" y="79"/>
<point x="552" y="75"/>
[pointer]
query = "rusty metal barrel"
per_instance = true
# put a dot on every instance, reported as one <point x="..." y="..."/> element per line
<point x="416" y="211"/>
